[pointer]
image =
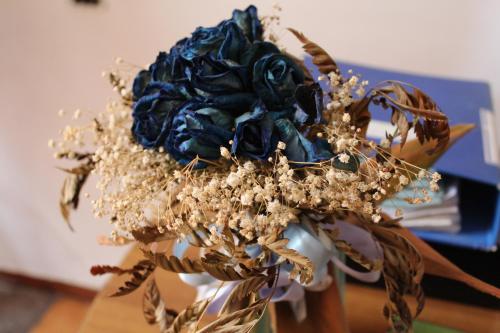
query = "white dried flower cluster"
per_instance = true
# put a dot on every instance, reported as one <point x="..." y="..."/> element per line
<point x="145" y="187"/>
<point x="130" y="178"/>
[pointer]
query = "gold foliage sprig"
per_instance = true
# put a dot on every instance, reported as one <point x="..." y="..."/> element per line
<point x="140" y="272"/>
<point x="174" y="264"/>
<point x="320" y="57"/>
<point x="188" y="317"/>
<point x="403" y="269"/>
<point x="242" y="290"/>
<point x="429" y="122"/>
<point x="237" y="321"/>
<point x="72" y="186"/>
<point x="303" y="267"/>
<point x="154" y="309"/>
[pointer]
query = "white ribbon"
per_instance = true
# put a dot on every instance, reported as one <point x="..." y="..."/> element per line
<point x="320" y="250"/>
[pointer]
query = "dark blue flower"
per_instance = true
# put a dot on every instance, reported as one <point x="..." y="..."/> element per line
<point x="168" y="67"/>
<point x="275" y="79"/>
<point x="298" y="147"/>
<point x="217" y="77"/>
<point x="309" y="108"/>
<point x="235" y="42"/>
<point x="199" y="129"/>
<point x="226" y="41"/>
<point x="249" y="22"/>
<point x="141" y="80"/>
<point x="257" y="51"/>
<point x="202" y="41"/>
<point x="256" y="135"/>
<point x="153" y="114"/>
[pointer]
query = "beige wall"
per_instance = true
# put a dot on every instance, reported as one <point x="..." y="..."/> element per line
<point x="52" y="54"/>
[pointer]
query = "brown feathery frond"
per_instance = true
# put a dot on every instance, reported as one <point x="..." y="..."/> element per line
<point x="302" y="265"/>
<point x="72" y="186"/>
<point x="243" y="316"/>
<point x="140" y="272"/>
<point x="225" y="272"/>
<point x="402" y="270"/>
<point x="360" y="114"/>
<point x="241" y="291"/>
<point x="188" y="316"/>
<point x="320" y="57"/>
<point x="151" y="234"/>
<point x="174" y="264"/>
<point x="154" y="308"/>
<point x="104" y="269"/>
<point x="396" y="96"/>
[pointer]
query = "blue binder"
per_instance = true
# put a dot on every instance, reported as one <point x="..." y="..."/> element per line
<point x="471" y="159"/>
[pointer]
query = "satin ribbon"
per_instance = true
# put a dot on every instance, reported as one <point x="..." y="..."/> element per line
<point x="320" y="250"/>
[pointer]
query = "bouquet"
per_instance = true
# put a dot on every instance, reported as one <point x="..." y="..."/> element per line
<point x="229" y="145"/>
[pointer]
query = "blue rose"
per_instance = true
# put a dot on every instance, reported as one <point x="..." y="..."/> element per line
<point x="256" y="135"/>
<point x="235" y="42"/>
<point x="275" y="79"/>
<point x="225" y="41"/>
<point x="153" y="114"/>
<point x="199" y="129"/>
<point x="168" y="67"/>
<point x="309" y="107"/>
<point x="249" y="23"/>
<point x="298" y="147"/>
<point x="217" y="77"/>
<point x="140" y="83"/>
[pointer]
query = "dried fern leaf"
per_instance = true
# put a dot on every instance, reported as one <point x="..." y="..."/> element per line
<point x="174" y="264"/>
<point x="148" y="235"/>
<point x="320" y="57"/>
<point x="234" y="327"/>
<point x="403" y="269"/>
<point x="188" y="316"/>
<point x="224" y="272"/>
<point x="154" y="308"/>
<point x="104" y="269"/>
<point x="72" y="185"/>
<point x="70" y="194"/>
<point x="302" y="265"/>
<point x="140" y="273"/>
<point x="235" y="318"/>
<point x="241" y="291"/>
<point x="398" y="97"/>
<point x="360" y="114"/>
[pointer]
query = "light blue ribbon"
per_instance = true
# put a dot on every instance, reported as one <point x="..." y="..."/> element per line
<point x="320" y="250"/>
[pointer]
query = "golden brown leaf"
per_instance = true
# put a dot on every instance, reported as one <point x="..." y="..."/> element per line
<point x="436" y="264"/>
<point x="174" y="264"/>
<point x="243" y="316"/>
<point x="72" y="186"/>
<point x="241" y="291"/>
<point x="225" y="272"/>
<point x="154" y="308"/>
<point x="320" y="57"/>
<point x="140" y="273"/>
<point x="188" y="317"/>
<point x="360" y="114"/>
<point x="302" y="265"/>
<point x="151" y="234"/>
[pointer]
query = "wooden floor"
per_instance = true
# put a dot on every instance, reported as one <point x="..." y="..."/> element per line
<point x="64" y="316"/>
<point x="124" y="314"/>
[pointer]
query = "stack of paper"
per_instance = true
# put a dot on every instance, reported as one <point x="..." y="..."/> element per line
<point x="440" y="214"/>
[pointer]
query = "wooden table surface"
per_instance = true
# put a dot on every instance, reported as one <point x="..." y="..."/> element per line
<point x="363" y="306"/>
